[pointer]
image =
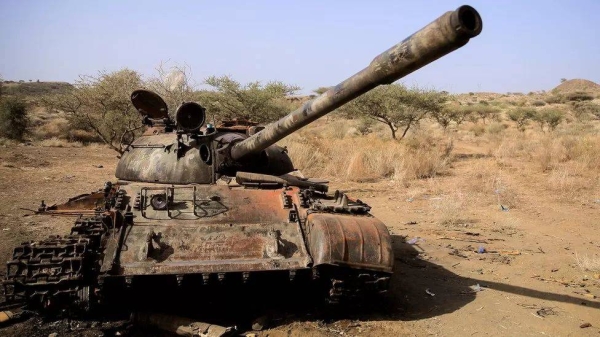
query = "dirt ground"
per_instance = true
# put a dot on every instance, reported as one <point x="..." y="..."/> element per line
<point x="527" y="282"/>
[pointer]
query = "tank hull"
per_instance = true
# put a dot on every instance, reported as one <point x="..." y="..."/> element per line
<point x="201" y="235"/>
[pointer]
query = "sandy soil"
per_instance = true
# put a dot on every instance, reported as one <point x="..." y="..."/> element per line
<point x="526" y="283"/>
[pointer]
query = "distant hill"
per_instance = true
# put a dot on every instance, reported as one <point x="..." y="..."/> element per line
<point x="35" y="88"/>
<point x="577" y="85"/>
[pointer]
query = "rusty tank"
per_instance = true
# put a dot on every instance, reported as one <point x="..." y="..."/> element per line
<point x="198" y="205"/>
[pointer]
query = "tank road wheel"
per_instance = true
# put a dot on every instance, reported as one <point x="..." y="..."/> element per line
<point x="345" y="284"/>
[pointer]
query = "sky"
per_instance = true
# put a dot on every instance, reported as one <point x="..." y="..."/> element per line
<point x="524" y="46"/>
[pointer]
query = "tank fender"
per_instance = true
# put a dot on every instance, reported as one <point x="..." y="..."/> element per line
<point x="360" y="242"/>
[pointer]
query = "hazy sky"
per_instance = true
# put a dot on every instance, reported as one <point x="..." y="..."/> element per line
<point x="525" y="45"/>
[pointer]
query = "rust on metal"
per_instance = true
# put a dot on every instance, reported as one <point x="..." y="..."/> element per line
<point x="359" y="242"/>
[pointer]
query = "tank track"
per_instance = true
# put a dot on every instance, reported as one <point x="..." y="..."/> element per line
<point x="358" y="286"/>
<point x="345" y="284"/>
<point x="58" y="272"/>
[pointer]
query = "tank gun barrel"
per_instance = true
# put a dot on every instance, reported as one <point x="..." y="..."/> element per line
<point x="447" y="33"/>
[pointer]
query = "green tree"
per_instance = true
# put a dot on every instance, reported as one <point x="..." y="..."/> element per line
<point x="521" y="116"/>
<point x="13" y="118"/>
<point x="452" y="112"/>
<point x="254" y="100"/>
<point x="549" y="117"/>
<point x="396" y="106"/>
<point x="483" y="112"/>
<point x="101" y="104"/>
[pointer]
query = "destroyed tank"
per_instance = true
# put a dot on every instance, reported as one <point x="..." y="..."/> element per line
<point x="198" y="205"/>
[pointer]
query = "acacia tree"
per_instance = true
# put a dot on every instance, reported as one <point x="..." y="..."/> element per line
<point x="483" y="112"/>
<point x="396" y="106"/>
<point x="254" y="100"/>
<point x="451" y="112"/>
<point x="101" y="104"/>
<point x="521" y="116"/>
<point x="550" y="117"/>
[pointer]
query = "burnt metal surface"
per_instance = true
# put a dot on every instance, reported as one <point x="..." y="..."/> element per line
<point x="149" y="104"/>
<point x="158" y="158"/>
<point x="209" y="229"/>
<point x="442" y="36"/>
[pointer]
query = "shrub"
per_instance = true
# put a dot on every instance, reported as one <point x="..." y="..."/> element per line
<point x="579" y="96"/>
<point x="13" y="118"/>
<point x="57" y="127"/>
<point x="554" y="99"/>
<point x="538" y="103"/>
<point x="550" y="117"/>
<point x="365" y="125"/>
<point x="477" y="130"/>
<point x="582" y="110"/>
<point x="521" y="116"/>
<point x="83" y="136"/>
<point x="495" y="128"/>
<point x="483" y="112"/>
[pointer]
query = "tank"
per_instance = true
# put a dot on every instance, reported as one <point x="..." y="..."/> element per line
<point x="198" y="205"/>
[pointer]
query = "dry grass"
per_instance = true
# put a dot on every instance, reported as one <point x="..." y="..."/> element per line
<point x="5" y="142"/>
<point x="449" y="208"/>
<point x="588" y="263"/>
<point x="367" y="158"/>
<point x="53" y="128"/>
<point x="56" y="142"/>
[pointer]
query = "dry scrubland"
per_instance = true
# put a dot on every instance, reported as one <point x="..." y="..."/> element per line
<point x="565" y="161"/>
<point x="530" y="196"/>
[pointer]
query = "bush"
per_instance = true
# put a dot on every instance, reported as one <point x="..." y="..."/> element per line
<point x="579" y="96"/>
<point x="495" y="128"/>
<point x="83" y="136"/>
<point x="483" y="112"/>
<point x="554" y="99"/>
<point x="582" y="110"/>
<point x="477" y="130"/>
<point x="538" y="103"/>
<point x="365" y="125"/>
<point x="550" y="116"/>
<point x="13" y="118"/>
<point x="57" y="127"/>
<point x="521" y="116"/>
